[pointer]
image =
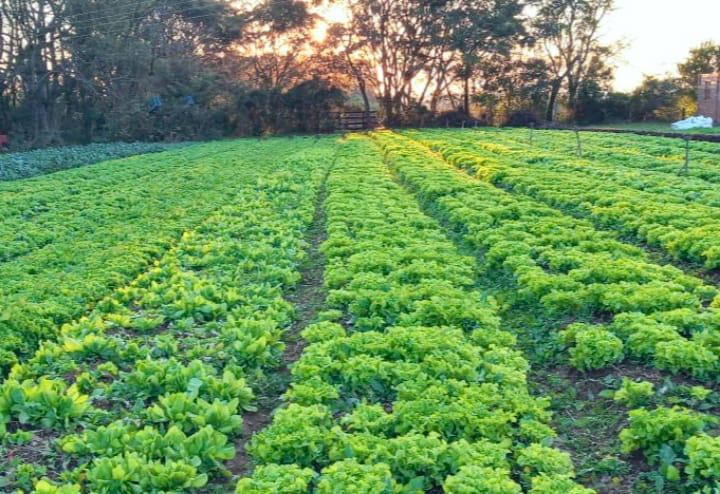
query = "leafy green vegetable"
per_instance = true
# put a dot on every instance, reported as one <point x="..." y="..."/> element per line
<point x="280" y="479"/>
<point x="480" y="480"/>
<point x="634" y="394"/>
<point x="595" y="348"/>
<point x="353" y="478"/>
<point x="147" y="391"/>
<point x="703" y="454"/>
<point x="408" y="381"/>
<point x="649" y="430"/>
<point x="31" y="163"/>
<point x="537" y="459"/>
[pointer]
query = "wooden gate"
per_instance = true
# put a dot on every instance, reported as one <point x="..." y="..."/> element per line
<point x="356" y="121"/>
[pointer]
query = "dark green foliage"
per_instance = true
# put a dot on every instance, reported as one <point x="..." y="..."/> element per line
<point x="28" y="164"/>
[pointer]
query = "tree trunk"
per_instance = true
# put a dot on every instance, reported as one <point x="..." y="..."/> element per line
<point x="390" y="102"/>
<point x="364" y="94"/>
<point x="466" y="96"/>
<point x="573" y="92"/>
<point x="389" y="109"/>
<point x="550" y="114"/>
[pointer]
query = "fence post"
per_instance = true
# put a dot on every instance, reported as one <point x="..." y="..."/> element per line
<point x="686" y="167"/>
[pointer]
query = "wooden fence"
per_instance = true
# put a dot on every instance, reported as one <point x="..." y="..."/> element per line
<point x="355" y="121"/>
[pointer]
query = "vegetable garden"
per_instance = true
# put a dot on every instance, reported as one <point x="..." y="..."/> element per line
<point x="495" y="314"/>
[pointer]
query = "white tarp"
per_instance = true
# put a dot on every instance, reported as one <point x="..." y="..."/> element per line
<point x="693" y="123"/>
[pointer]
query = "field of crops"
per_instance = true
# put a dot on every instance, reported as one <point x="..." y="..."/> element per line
<point x="468" y="312"/>
<point x="14" y="166"/>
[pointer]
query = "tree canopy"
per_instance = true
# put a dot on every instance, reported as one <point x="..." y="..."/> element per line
<point x="704" y="59"/>
<point x="85" y="70"/>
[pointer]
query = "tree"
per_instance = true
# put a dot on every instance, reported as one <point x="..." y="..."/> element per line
<point x="288" y="78"/>
<point x="309" y="103"/>
<point x="513" y="85"/>
<point x="597" y="105"/>
<point x="569" y="34"/>
<point x="482" y="32"/>
<point x="166" y="51"/>
<point x="412" y="52"/>
<point x="32" y="65"/>
<point x="661" y="99"/>
<point x="345" y="60"/>
<point x="394" y="39"/>
<point x="84" y="69"/>
<point x="704" y="59"/>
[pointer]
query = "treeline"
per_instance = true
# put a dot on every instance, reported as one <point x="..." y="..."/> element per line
<point x="674" y="97"/>
<point x="74" y="71"/>
<point x="88" y="70"/>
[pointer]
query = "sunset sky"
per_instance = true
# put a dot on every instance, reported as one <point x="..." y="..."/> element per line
<point x="659" y="34"/>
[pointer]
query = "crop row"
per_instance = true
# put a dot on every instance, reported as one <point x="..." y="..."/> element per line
<point x="35" y="196"/>
<point x="44" y="210"/>
<point x="570" y="269"/>
<point x="31" y="163"/>
<point x="146" y="394"/>
<point x="69" y="238"/>
<point x="664" y="154"/>
<point x="408" y="384"/>
<point x="554" y="156"/>
<point x="543" y="260"/>
<point x="639" y="152"/>
<point x="688" y="232"/>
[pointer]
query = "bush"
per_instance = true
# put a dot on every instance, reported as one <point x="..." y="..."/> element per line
<point x="455" y="119"/>
<point x="523" y="118"/>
